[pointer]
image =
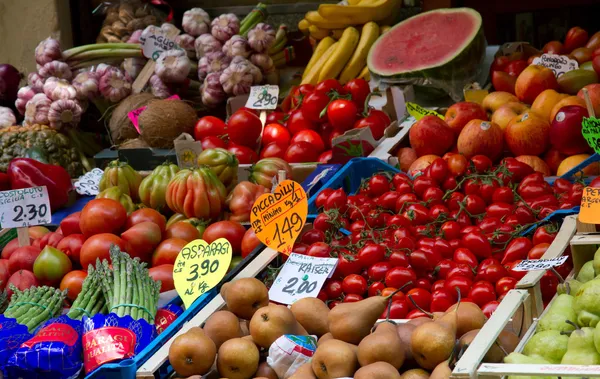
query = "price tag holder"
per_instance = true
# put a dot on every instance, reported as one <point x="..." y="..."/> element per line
<point x="559" y="64"/>
<point x="88" y="184"/>
<point x="419" y="112"/>
<point x="539" y="264"/>
<point x="590" y="128"/>
<point x="589" y="212"/>
<point x="301" y="276"/>
<point x="157" y="42"/>
<point x="25" y="207"/>
<point x="199" y="267"/>
<point x="278" y="218"/>
<point x="263" y="97"/>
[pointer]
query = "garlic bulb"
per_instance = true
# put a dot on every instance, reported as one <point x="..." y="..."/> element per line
<point x="186" y="42"/>
<point x="257" y="76"/>
<point x="195" y="22"/>
<point x="262" y="61"/>
<point x="133" y="66"/>
<point x="237" y="46"/>
<point x="47" y="51"/>
<point x="166" y="27"/>
<point x="212" y="91"/>
<point x="236" y="79"/>
<point x="205" y="44"/>
<point x="261" y="37"/>
<point x="86" y="84"/>
<point x="23" y="96"/>
<point x="36" y="110"/>
<point x="57" y="69"/>
<point x="173" y="66"/>
<point x="56" y="89"/>
<point x="114" y="85"/>
<point x="101" y="69"/>
<point x="64" y="112"/>
<point x="7" y="117"/>
<point x="150" y="29"/>
<point x="35" y="81"/>
<point x="135" y="36"/>
<point x="225" y="26"/>
<point x="158" y="87"/>
<point x="212" y="62"/>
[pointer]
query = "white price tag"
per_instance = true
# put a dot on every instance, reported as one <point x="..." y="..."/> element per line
<point x="88" y="184"/>
<point x="301" y="276"/>
<point x="559" y="64"/>
<point x="539" y="264"/>
<point x="263" y="97"/>
<point x="25" y="207"/>
<point x="157" y="42"/>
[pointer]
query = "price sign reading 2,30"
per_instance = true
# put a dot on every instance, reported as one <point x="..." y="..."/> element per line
<point x="278" y="218"/>
<point x="25" y="207"/>
<point x="263" y="97"/>
<point x="199" y="267"/>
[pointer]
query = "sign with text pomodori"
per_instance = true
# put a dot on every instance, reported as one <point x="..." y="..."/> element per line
<point x="559" y="64"/>
<point x="87" y="184"/>
<point x="263" y="97"/>
<point x="419" y="112"/>
<point x="590" y="128"/>
<point x="25" y="207"/>
<point x="199" y="267"/>
<point x="301" y="276"/>
<point x="156" y="42"/>
<point x="589" y="211"/>
<point x="539" y="264"/>
<point x="278" y="218"/>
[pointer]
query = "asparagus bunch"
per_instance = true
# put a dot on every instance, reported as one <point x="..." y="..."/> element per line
<point x="127" y="287"/>
<point x="280" y="40"/>
<point x="35" y="305"/>
<point x="256" y="16"/>
<point x="90" y="300"/>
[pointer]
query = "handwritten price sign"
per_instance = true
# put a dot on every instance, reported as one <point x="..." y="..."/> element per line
<point x="263" y="97"/>
<point x="199" y="267"/>
<point x="278" y="218"/>
<point x="590" y="128"/>
<point x="157" y="42"/>
<point x="88" y="183"/>
<point x="590" y="206"/>
<point x="25" y="207"/>
<point x="559" y="64"/>
<point x="539" y="264"/>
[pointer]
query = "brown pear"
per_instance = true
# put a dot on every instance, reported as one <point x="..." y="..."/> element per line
<point x="266" y="371"/>
<point x="441" y="371"/>
<point x="192" y="353"/>
<point x="419" y="320"/>
<point x="433" y="342"/>
<point x="505" y="344"/>
<point x="377" y="370"/>
<point x="415" y="373"/>
<point x="351" y="322"/>
<point x="383" y="345"/>
<point x="245" y="296"/>
<point x="404" y="331"/>
<point x="311" y="313"/>
<point x="470" y="317"/>
<point x="222" y="326"/>
<point x="272" y="322"/>
<point x="237" y="359"/>
<point x="304" y="372"/>
<point x="334" y="359"/>
<point x="324" y="337"/>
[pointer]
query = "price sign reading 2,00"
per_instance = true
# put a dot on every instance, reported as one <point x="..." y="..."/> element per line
<point x="291" y="223"/>
<point x="264" y="99"/>
<point x="305" y="287"/>
<point x="32" y="212"/>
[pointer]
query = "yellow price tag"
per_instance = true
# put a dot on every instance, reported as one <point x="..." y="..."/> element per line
<point x="589" y="212"/>
<point x="278" y="218"/>
<point x="418" y="112"/>
<point x="199" y="267"/>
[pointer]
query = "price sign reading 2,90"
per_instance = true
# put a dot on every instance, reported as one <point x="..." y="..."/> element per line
<point x="278" y="218"/>
<point x="263" y="97"/>
<point x="199" y="267"/>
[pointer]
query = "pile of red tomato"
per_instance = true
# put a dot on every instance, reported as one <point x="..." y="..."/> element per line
<point x="314" y="116"/>
<point x="456" y="226"/>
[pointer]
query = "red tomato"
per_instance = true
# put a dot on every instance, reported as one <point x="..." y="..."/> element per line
<point x="96" y="247"/>
<point x="463" y="255"/>
<point x="275" y="133"/>
<point x="359" y="90"/>
<point x="545" y="234"/>
<point x="273" y="150"/>
<point x="352" y="298"/>
<point x="71" y="245"/>
<point x="319" y="250"/>
<point x="576" y="37"/>
<point x="300" y="92"/>
<point x="515" y="274"/>
<point x="164" y="273"/>
<point x="301" y="152"/>
<point x="102" y="216"/>
<point x="474" y="204"/>
<point x="419" y="296"/>
<point x="249" y="242"/>
<point x="167" y="251"/>
<point x="517" y="249"/>
<point x="333" y="288"/>
<point x="298" y="121"/>
<point x="450" y="230"/>
<point x="503" y="195"/>
<point x="375" y="289"/>
<point x="311" y="137"/>
<point x="482" y="163"/>
<point x="70" y="224"/>
<point x="477" y="244"/>
<point x="442" y="299"/>
<point x="325" y="157"/>
<point x="184" y="230"/>
<point x="328" y="85"/>
<point x="311" y="236"/>
<point x="370" y="254"/>
<point x="457" y="164"/>
<point x="209" y="126"/>
<point x="460" y="283"/>
<point x="489" y="308"/>
<point x="399" y="276"/>
<point x="505" y="284"/>
<point x="146" y="214"/>
<point x="276" y="117"/>
<point x="245" y="155"/>
<point x="244" y="128"/>
<point x="375" y="123"/>
<point x="354" y="284"/>
<point x="73" y="283"/>
<point x="232" y="231"/>
<point x="21" y="279"/>
<point x="347" y="264"/>
<point x="492" y="273"/>
<point x="322" y="197"/>
<point x="213" y="142"/>
<point x="499" y="210"/>
<point x="342" y="114"/>
<point x="398" y="310"/>
<point x="482" y="293"/>
<point x="314" y="104"/>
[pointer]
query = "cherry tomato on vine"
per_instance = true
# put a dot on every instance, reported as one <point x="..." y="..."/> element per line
<point x="442" y="299"/>
<point x="273" y="150"/>
<point x="377" y="185"/>
<point x="342" y="114"/>
<point x="314" y="104"/>
<point x="399" y="276"/>
<point x="354" y="284"/>
<point x="375" y="123"/>
<point x="505" y="284"/>
<point x="275" y="133"/>
<point x="359" y="90"/>
<point x="330" y="84"/>
<point x="462" y="283"/>
<point x="310" y="136"/>
<point x="370" y="254"/>
<point x="298" y="121"/>
<point x="333" y="288"/>
<point x="450" y="230"/>
<point x="301" y="152"/>
<point x="300" y="92"/>
<point x="482" y="292"/>
<point x="276" y="117"/>
<point x="545" y="234"/>
<point x="421" y="297"/>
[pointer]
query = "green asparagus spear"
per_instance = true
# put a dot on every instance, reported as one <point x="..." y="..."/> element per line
<point x="116" y="261"/>
<point x="136" y="296"/>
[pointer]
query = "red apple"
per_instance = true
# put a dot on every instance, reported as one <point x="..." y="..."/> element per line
<point x="406" y="157"/>
<point x="459" y="114"/>
<point x="565" y="131"/>
<point x="504" y="82"/>
<point x="480" y="137"/>
<point x="499" y="63"/>
<point x="515" y="68"/>
<point x="431" y="135"/>
<point x="507" y="112"/>
<point x="533" y="81"/>
<point x="553" y="47"/>
<point x="527" y="134"/>
<point x="576" y="37"/>
<point x="496" y="99"/>
<point x="421" y="163"/>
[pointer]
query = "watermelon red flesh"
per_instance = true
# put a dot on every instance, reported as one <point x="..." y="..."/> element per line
<point x="425" y="41"/>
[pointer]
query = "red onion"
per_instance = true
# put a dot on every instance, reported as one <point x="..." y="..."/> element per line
<point x="9" y="84"/>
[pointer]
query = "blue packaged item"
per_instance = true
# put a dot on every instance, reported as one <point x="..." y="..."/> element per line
<point x="55" y="349"/>
<point x="165" y="316"/>
<point x="12" y="335"/>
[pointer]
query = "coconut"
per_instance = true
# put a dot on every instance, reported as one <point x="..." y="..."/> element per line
<point x="136" y="143"/>
<point x="164" y="120"/>
<point x="120" y="126"/>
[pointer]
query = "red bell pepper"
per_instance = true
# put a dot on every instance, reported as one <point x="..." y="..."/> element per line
<point x="4" y="182"/>
<point x="27" y="173"/>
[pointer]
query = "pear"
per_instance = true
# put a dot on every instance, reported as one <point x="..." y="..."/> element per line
<point x="587" y="271"/>
<point x="324" y="337"/>
<point x="587" y="303"/>
<point x="505" y="344"/>
<point x="192" y="353"/>
<point x="272" y="322"/>
<point x="334" y="359"/>
<point x="222" y="326"/>
<point x="377" y="370"/>
<point x="237" y="359"/>
<point x="560" y="310"/>
<point x="441" y="371"/>
<point x="405" y="331"/>
<point x="518" y="358"/>
<point x="419" y="320"/>
<point x="550" y="345"/>
<point x="351" y="322"/>
<point x="383" y="345"/>
<point x="581" y="349"/>
<point x="266" y="371"/>
<point x="596" y="263"/>
<point x="470" y="317"/>
<point x="311" y="313"/>
<point x="304" y="372"/>
<point x="245" y="296"/>
<point x="569" y="286"/>
<point x="432" y="343"/>
<point x="415" y="373"/>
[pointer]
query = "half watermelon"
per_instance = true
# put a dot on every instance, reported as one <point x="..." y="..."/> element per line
<point x="443" y="44"/>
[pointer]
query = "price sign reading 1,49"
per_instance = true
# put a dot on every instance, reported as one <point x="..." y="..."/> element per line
<point x="25" y="207"/>
<point x="263" y="97"/>
<point x="199" y="267"/>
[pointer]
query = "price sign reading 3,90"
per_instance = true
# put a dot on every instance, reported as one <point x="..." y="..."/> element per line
<point x="199" y="267"/>
<point x="278" y="218"/>
<point x="25" y="207"/>
<point x="263" y="97"/>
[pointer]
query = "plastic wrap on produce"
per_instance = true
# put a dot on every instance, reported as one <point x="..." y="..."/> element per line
<point x="55" y="349"/>
<point x="12" y="335"/>
<point x="165" y="317"/>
